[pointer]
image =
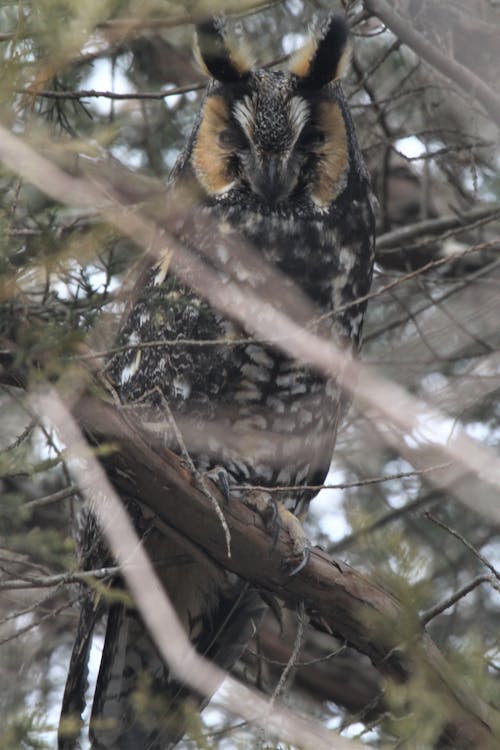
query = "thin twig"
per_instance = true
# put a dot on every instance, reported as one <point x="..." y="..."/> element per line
<point x="429" y="614"/>
<point x="396" y="237"/>
<point x="345" y="485"/>
<point x="452" y="69"/>
<point x="93" y="94"/>
<point x="385" y="520"/>
<point x="55" y="497"/>
<point x="53" y="613"/>
<point x="28" y="610"/>
<point x="84" y="576"/>
<point x="465" y="542"/>
<point x="292" y="661"/>
<point x="308" y="663"/>
<point x="436" y="263"/>
<point x="21" y="438"/>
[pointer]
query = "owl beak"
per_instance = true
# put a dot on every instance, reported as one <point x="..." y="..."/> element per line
<point x="272" y="181"/>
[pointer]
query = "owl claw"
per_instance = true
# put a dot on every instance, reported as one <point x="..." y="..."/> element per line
<point x="291" y="570"/>
<point x="301" y="546"/>
<point x="218" y="476"/>
<point x="274" y="522"/>
<point x="278" y="518"/>
<point x="223" y="484"/>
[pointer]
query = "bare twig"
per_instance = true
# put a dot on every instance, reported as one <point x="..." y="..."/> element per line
<point x="20" y="438"/>
<point x="59" y="580"/>
<point x="35" y="623"/>
<point x="438" y="609"/>
<point x="452" y="69"/>
<point x="465" y="542"/>
<point x="436" y="263"/>
<point x="384" y="520"/>
<point x="346" y="485"/>
<point x="289" y="666"/>
<point x="93" y="94"/>
<point x="55" y="497"/>
<point x="397" y="237"/>
<point x="293" y="660"/>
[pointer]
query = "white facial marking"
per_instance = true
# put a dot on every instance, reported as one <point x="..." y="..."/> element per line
<point x="243" y="113"/>
<point x="299" y="115"/>
<point x="226" y="188"/>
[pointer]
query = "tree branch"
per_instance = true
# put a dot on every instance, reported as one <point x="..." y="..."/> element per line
<point x="337" y="598"/>
<point x="93" y="94"/>
<point x="452" y="69"/>
<point x="396" y="237"/>
<point x="37" y="582"/>
<point x="153" y="603"/>
<point x="455" y="597"/>
<point x="326" y="670"/>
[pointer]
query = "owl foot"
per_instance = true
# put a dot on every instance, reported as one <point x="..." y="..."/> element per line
<point x="218" y="476"/>
<point x="277" y="518"/>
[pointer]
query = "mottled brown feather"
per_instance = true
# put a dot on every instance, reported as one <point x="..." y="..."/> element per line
<point x="334" y="155"/>
<point x="210" y="158"/>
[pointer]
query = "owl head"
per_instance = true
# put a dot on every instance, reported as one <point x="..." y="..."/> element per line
<point x="273" y="137"/>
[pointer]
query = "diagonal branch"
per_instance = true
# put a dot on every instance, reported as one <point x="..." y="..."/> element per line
<point x="256" y="313"/>
<point x="394" y="239"/>
<point x="452" y="69"/>
<point x="152" y="601"/>
<point x="337" y="598"/>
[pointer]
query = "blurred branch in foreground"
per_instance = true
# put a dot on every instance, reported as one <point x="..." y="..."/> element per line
<point x="339" y="600"/>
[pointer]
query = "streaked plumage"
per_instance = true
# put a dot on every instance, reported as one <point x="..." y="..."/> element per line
<point x="275" y="158"/>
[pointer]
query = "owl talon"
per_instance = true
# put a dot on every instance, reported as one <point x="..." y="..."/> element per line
<point x="291" y="570"/>
<point x="274" y="523"/>
<point x="218" y="476"/>
<point x="278" y="518"/>
<point x="268" y="509"/>
<point x="301" y="546"/>
<point x="223" y="484"/>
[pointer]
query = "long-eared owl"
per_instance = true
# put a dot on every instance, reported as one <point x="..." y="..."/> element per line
<point x="281" y="204"/>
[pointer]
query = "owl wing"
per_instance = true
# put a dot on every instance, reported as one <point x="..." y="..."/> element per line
<point x="137" y="703"/>
<point x="241" y="390"/>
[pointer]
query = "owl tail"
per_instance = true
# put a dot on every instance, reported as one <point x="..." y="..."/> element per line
<point x="134" y="699"/>
<point x="73" y="703"/>
<point x="137" y="704"/>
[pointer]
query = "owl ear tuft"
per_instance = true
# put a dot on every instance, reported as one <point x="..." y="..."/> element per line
<point x="216" y="56"/>
<point x="324" y="57"/>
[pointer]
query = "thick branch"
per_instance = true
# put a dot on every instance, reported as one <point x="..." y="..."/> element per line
<point x="396" y="237"/>
<point x="326" y="670"/>
<point x="154" y="605"/>
<point x="337" y="597"/>
<point x="254" y="310"/>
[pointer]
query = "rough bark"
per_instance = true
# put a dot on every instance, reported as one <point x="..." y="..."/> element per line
<point x="338" y="599"/>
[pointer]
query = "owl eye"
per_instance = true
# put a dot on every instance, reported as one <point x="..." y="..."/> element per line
<point x="311" y="138"/>
<point x="231" y="138"/>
